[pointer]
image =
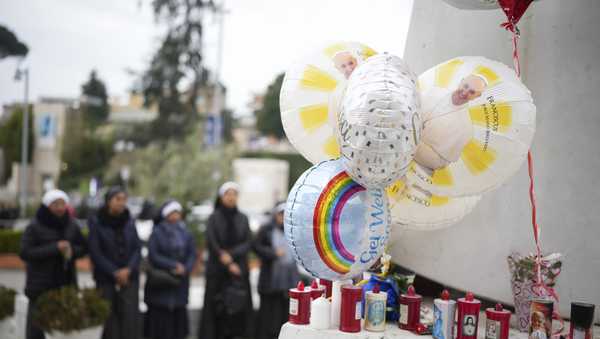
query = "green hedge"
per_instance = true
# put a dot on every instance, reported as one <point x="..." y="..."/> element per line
<point x="7" y="302"/>
<point x="10" y="241"/>
<point x="297" y="162"/>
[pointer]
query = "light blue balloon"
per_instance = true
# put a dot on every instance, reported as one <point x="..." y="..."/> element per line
<point x="336" y="228"/>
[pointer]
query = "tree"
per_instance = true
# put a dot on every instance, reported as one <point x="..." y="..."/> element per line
<point x="86" y="154"/>
<point x="10" y="139"/>
<point x="87" y="158"/>
<point x="177" y="63"/>
<point x="228" y="122"/>
<point x="10" y="44"/>
<point x="268" y="118"/>
<point x="178" y="170"/>
<point x="95" y="100"/>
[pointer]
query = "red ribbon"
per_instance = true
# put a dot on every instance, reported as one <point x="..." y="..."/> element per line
<point x="540" y="288"/>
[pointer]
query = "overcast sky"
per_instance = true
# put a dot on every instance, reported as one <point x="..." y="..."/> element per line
<point x="68" y="38"/>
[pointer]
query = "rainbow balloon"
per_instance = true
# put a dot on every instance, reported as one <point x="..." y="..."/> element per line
<point x="336" y="227"/>
<point x="326" y="222"/>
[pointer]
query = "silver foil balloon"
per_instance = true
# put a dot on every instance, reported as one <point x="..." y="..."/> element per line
<point x="336" y="228"/>
<point x="379" y="123"/>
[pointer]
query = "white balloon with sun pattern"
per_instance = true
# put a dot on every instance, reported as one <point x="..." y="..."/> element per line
<point x="310" y="95"/>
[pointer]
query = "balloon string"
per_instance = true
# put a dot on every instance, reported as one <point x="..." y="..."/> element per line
<point x="536" y="229"/>
<point x="540" y="288"/>
<point x="515" y="40"/>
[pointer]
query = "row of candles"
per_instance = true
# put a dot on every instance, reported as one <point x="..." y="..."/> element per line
<point x="312" y="306"/>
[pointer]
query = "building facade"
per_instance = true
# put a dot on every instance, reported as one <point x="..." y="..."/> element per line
<point x="50" y="115"/>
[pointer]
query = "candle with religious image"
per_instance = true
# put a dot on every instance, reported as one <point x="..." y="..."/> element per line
<point x="444" y="311"/>
<point x="468" y="317"/>
<point x="540" y="321"/>
<point x="375" y="309"/>
<point x="497" y="322"/>
<point x="410" y="309"/>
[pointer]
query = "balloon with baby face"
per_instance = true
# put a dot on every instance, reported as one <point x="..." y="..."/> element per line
<point x="310" y="96"/>
<point x="379" y="123"/>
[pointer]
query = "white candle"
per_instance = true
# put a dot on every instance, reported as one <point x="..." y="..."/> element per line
<point x="320" y="313"/>
<point x="336" y="301"/>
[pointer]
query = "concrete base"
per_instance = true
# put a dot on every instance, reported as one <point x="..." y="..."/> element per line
<point x="90" y="333"/>
<point x="7" y="328"/>
<point x="289" y="331"/>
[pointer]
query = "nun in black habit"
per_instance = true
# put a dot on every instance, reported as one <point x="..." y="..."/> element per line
<point x="227" y="300"/>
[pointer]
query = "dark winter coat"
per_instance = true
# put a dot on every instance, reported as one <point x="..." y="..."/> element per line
<point x="264" y="249"/>
<point x="263" y="246"/>
<point x="164" y="253"/>
<point x="236" y="239"/>
<point x="46" y="267"/>
<point x="113" y="247"/>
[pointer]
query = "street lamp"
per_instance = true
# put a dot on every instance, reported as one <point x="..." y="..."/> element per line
<point x="22" y="73"/>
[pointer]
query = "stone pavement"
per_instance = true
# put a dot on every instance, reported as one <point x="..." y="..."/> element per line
<point x="15" y="278"/>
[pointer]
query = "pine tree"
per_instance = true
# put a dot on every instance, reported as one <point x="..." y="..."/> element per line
<point x="177" y="64"/>
<point x="10" y="139"/>
<point x="10" y="44"/>
<point x="268" y="118"/>
<point x="95" y="100"/>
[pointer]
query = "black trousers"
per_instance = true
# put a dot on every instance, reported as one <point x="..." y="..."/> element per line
<point x="274" y="309"/>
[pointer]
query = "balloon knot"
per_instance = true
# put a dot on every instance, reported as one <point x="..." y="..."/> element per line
<point x="509" y="26"/>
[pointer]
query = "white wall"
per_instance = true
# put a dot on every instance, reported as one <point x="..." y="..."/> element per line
<point x="560" y="50"/>
<point x="263" y="182"/>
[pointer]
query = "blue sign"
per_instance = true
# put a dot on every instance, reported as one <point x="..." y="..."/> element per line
<point x="46" y="126"/>
<point x="46" y="130"/>
<point x="213" y="130"/>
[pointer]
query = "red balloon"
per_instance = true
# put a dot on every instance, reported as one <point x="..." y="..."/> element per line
<point x="514" y="10"/>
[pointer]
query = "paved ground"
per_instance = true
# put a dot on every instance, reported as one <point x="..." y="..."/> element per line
<point x="15" y="278"/>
